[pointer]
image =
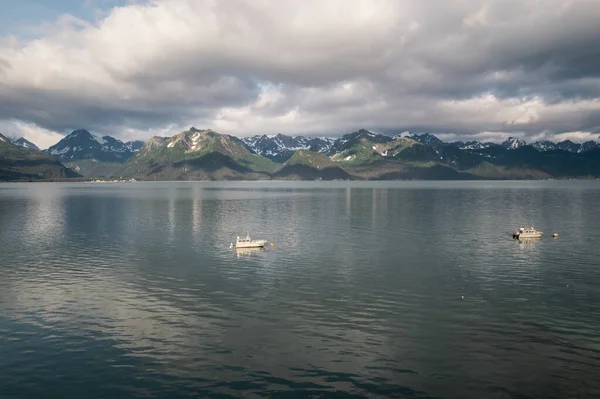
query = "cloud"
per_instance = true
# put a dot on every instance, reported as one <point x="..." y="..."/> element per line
<point x="41" y="137"/>
<point x="521" y="67"/>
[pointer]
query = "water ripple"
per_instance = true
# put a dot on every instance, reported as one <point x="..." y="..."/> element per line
<point x="374" y="290"/>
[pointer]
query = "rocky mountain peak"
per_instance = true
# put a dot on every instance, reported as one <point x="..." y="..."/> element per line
<point x="426" y="138"/>
<point x="280" y="147"/>
<point x="23" y="142"/>
<point x="81" y="144"/>
<point x="512" y="143"/>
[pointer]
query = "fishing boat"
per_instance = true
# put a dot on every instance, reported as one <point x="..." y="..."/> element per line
<point x="247" y="242"/>
<point x="527" y="232"/>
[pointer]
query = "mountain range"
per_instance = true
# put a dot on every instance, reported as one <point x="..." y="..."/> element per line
<point x="280" y="148"/>
<point x="207" y="155"/>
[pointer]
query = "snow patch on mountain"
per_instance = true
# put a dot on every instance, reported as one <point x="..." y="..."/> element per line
<point x="281" y="147"/>
<point x="61" y="151"/>
<point x="101" y="140"/>
<point x="566" y="145"/>
<point x="135" y="145"/>
<point x="512" y="143"/>
<point x="588" y="146"/>
<point x="81" y="144"/>
<point x="23" y="142"/>
<point x="472" y="145"/>
<point x="425" y="138"/>
<point x="544" y="145"/>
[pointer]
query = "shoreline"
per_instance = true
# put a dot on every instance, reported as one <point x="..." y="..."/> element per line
<point x="92" y="180"/>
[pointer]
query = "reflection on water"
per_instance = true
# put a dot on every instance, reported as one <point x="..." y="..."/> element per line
<point x="248" y="251"/>
<point x="44" y="218"/>
<point x="197" y="211"/>
<point x="528" y="241"/>
<point x="400" y="289"/>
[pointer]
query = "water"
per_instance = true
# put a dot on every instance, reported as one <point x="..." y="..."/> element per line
<point x="121" y="291"/>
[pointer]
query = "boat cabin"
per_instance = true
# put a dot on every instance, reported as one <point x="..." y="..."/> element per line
<point x="244" y="239"/>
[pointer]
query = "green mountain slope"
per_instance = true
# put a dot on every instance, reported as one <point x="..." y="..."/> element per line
<point x="394" y="170"/>
<point x="359" y="148"/>
<point x="196" y="155"/>
<point x="93" y="168"/>
<point x="24" y="164"/>
<point x="307" y="165"/>
<point x="528" y="163"/>
<point x="366" y="155"/>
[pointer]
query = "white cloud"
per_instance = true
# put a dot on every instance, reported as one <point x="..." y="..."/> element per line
<point x="41" y="137"/>
<point x="245" y="67"/>
<point x="574" y="136"/>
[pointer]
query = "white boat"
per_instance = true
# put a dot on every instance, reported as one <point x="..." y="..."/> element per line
<point x="527" y="232"/>
<point x="247" y="242"/>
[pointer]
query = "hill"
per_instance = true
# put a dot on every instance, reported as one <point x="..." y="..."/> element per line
<point x="23" y="164"/>
<point x="307" y="165"/>
<point x="367" y="155"/>
<point x="197" y="155"/>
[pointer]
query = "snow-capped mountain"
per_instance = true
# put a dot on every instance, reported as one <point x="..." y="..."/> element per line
<point x="350" y="140"/>
<point x="433" y="141"/>
<point x="544" y="145"/>
<point x="512" y="143"/>
<point x="23" y="142"/>
<point x="135" y="145"/>
<point x="280" y="148"/>
<point x="196" y="143"/>
<point x="566" y="145"/>
<point x="426" y="138"/>
<point x="588" y="146"/>
<point x="3" y="139"/>
<point x="81" y="144"/>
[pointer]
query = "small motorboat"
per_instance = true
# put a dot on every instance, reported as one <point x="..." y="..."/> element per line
<point x="247" y="242"/>
<point x="527" y="232"/>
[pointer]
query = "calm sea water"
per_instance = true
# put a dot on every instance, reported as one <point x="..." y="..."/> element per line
<point x="392" y="289"/>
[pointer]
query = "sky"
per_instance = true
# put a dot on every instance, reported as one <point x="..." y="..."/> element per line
<point x="463" y="69"/>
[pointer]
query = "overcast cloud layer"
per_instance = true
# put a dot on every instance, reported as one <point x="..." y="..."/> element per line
<point x="465" y="68"/>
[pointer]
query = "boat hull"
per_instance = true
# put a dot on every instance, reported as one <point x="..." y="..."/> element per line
<point x="538" y="235"/>
<point x="527" y="235"/>
<point x="251" y="244"/>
